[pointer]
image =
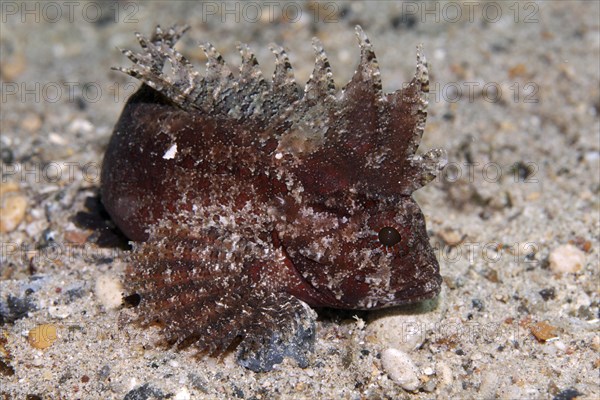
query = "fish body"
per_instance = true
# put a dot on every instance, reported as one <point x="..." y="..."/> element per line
<point x="250" y="199"/>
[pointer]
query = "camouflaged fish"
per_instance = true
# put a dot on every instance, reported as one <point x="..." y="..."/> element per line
<point x="250" y="201"/>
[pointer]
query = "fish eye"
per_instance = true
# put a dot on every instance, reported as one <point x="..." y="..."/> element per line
<point x="389" y="236"/>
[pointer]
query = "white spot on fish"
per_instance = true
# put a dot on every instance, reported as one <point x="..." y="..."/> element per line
<point x="170" y="154"/>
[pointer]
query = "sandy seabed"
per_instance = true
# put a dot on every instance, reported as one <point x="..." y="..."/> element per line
<point x="514" y="218"/>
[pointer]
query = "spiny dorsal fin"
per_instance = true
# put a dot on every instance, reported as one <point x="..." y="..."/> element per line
<point x="250" y="90"/>
<point x="136" y="58"/>
<point x="170" y="37"/>
<point x="249" y="69"/>
<point x="182" y="74"/>
<point x="419" y="170"/>
<point x="251" y="82"/>
<point x="419" y="86"/>
<point x="360" y="107"/>
<point x="406" y="111"/>
<point x="422" y="73"/>
<point x="153" y="57"/>
<point x="158" y="39"/>
<point x="218" y="72"/>
<point x="180" y="83"/>
<point x="251" y="95"/>
<point x="320" y="84"/>
<point x="283" y="76"/>
<point x="368" y="68"/>
<point x="158" y="35"/>
<point x="156" y="81"/>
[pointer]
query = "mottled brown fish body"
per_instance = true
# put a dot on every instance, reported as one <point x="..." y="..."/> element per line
<point x="247" y="199"/>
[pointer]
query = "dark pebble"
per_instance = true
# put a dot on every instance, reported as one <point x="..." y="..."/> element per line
<point x="6" y="369"/>
<point x="477" y="304"/>
<point x="103" y="372"/>
<point x="6" y="155"/>
<point x="522" y="170"/>
<point x="144" y="392"/>
<point x="237" y="392"/>
<point x="567" y="394"/>
<point x="14" y="308"/>
<point x="198" y="382"/>
<point x="448" y="116"/>
<point x="74" y="294"/>
<point x="548" y="294"/>
<point x="296" y="344"/>
<point x="403" y="21"/>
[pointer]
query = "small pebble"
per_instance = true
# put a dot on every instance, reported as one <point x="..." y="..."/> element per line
<point x="533" y="196"/>
<point x="560" y="345"/>
<point x="543" y="331"/>
<point x="401" y="369"/>
<point x="490" y="381"/>
<point x="13" y="205"/>
<point x="42" y="336"/>
<point x="492" y="276"/>
<point x="429" y="385"/>
<point x="408" y="329"/>
<point x="451" y="237"/>
<point x="59" y="312"/>
<point x="404" y="332"/>
<point x="56" y="138"/>
<point x="31" y="123"/>
<point x="566" y="258"/>
<point x="80" y="125"/>
<point x="518" y="70"/>
<point x="596" y="343"/>
<point x="183" y="394"/>
<point x="11" y="69"/>
<point x="109" y="291"/>
<point x="582" y="244"/>
<point x="76" y="237"/>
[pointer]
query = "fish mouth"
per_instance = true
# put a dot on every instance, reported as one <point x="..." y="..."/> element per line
<point x="401" y="299"/>
<point x="416" y="294"/>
